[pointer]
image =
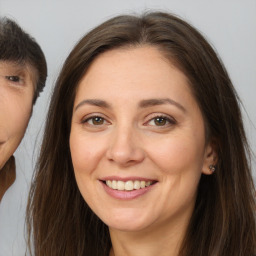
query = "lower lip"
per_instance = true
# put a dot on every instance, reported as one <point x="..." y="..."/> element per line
<point x="126" y="195"/>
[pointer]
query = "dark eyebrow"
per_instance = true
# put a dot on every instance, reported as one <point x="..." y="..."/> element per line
<point x="156" y="102"/>
<point x="93" y="102"/>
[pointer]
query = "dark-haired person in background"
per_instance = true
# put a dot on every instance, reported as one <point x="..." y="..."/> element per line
<point x="23" y="74"/>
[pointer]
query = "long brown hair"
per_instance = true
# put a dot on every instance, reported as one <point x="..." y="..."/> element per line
<point x="223" y="222"/>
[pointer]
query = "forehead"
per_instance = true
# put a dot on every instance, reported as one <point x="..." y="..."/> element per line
<point x="6" y="65"/>
<point x="16" y="68"/>
<point x="132" y="68"/>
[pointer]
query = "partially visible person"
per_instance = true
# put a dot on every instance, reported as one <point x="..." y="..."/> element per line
<point x="23" y="72"/>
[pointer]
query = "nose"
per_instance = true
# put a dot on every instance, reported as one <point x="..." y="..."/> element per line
<point x="124" y="148"/>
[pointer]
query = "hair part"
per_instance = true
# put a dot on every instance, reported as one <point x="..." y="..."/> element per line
<point x="19" y="47"/>
<point x="223" y="221"/>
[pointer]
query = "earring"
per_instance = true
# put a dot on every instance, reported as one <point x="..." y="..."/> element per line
<point x="212" y="168"/>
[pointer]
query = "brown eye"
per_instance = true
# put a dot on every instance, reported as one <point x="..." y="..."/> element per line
<point x="160" y="121"/>
<point x="94" y="121"/>
<point x="97" y="120"/>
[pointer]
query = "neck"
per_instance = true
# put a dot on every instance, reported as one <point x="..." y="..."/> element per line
<point x="164" y="241"/>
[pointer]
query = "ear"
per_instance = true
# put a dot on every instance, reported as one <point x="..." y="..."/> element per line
<point x="210" y="158"/>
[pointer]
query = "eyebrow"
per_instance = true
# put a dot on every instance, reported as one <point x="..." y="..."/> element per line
<point x="93" y="102"/>
<point x="156" y="102"/>
<point x="142" y="104"/>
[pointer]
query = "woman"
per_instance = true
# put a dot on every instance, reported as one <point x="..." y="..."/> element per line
<point x="144" y="151"/>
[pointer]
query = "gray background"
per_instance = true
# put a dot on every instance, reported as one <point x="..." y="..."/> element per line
<point x="230" y="25"/>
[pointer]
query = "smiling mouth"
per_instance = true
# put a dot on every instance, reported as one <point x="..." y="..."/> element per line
<point x="128" y="185"/>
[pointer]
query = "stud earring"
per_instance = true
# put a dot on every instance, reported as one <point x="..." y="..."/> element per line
<point x="212" y="168"/>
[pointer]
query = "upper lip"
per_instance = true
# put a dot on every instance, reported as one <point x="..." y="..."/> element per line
<point x="132" y="178"/>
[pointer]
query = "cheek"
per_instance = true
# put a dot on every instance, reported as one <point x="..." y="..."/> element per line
<point x="178" y="154"/>
<point x="85" y="151"/>
<point x="22" y="117"/>
<point x="180" y="160"/>
<point x="15" y="117"/>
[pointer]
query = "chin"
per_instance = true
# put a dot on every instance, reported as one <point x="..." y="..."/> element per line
<point x="127" y="223"/>
<point x="127" y="228"/>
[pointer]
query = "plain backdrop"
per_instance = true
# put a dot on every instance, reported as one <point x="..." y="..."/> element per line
<point x="229" y="25"/>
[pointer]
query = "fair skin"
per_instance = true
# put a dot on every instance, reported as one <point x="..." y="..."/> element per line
<point x="16" y="97"/>
<point x="136" y="123"/>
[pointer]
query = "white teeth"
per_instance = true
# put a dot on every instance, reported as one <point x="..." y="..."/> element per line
<point x="143" y="184"/>
<point x="128" y="185"/>
<point x="120" y="185"/>
<point x="136" y="184"/>
<point x="113" y="184"/>
<point x="108" y="182"/>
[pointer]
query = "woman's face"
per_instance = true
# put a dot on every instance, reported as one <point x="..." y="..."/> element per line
<point x="138" y="140"/>
<point x="16" y="95"/>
